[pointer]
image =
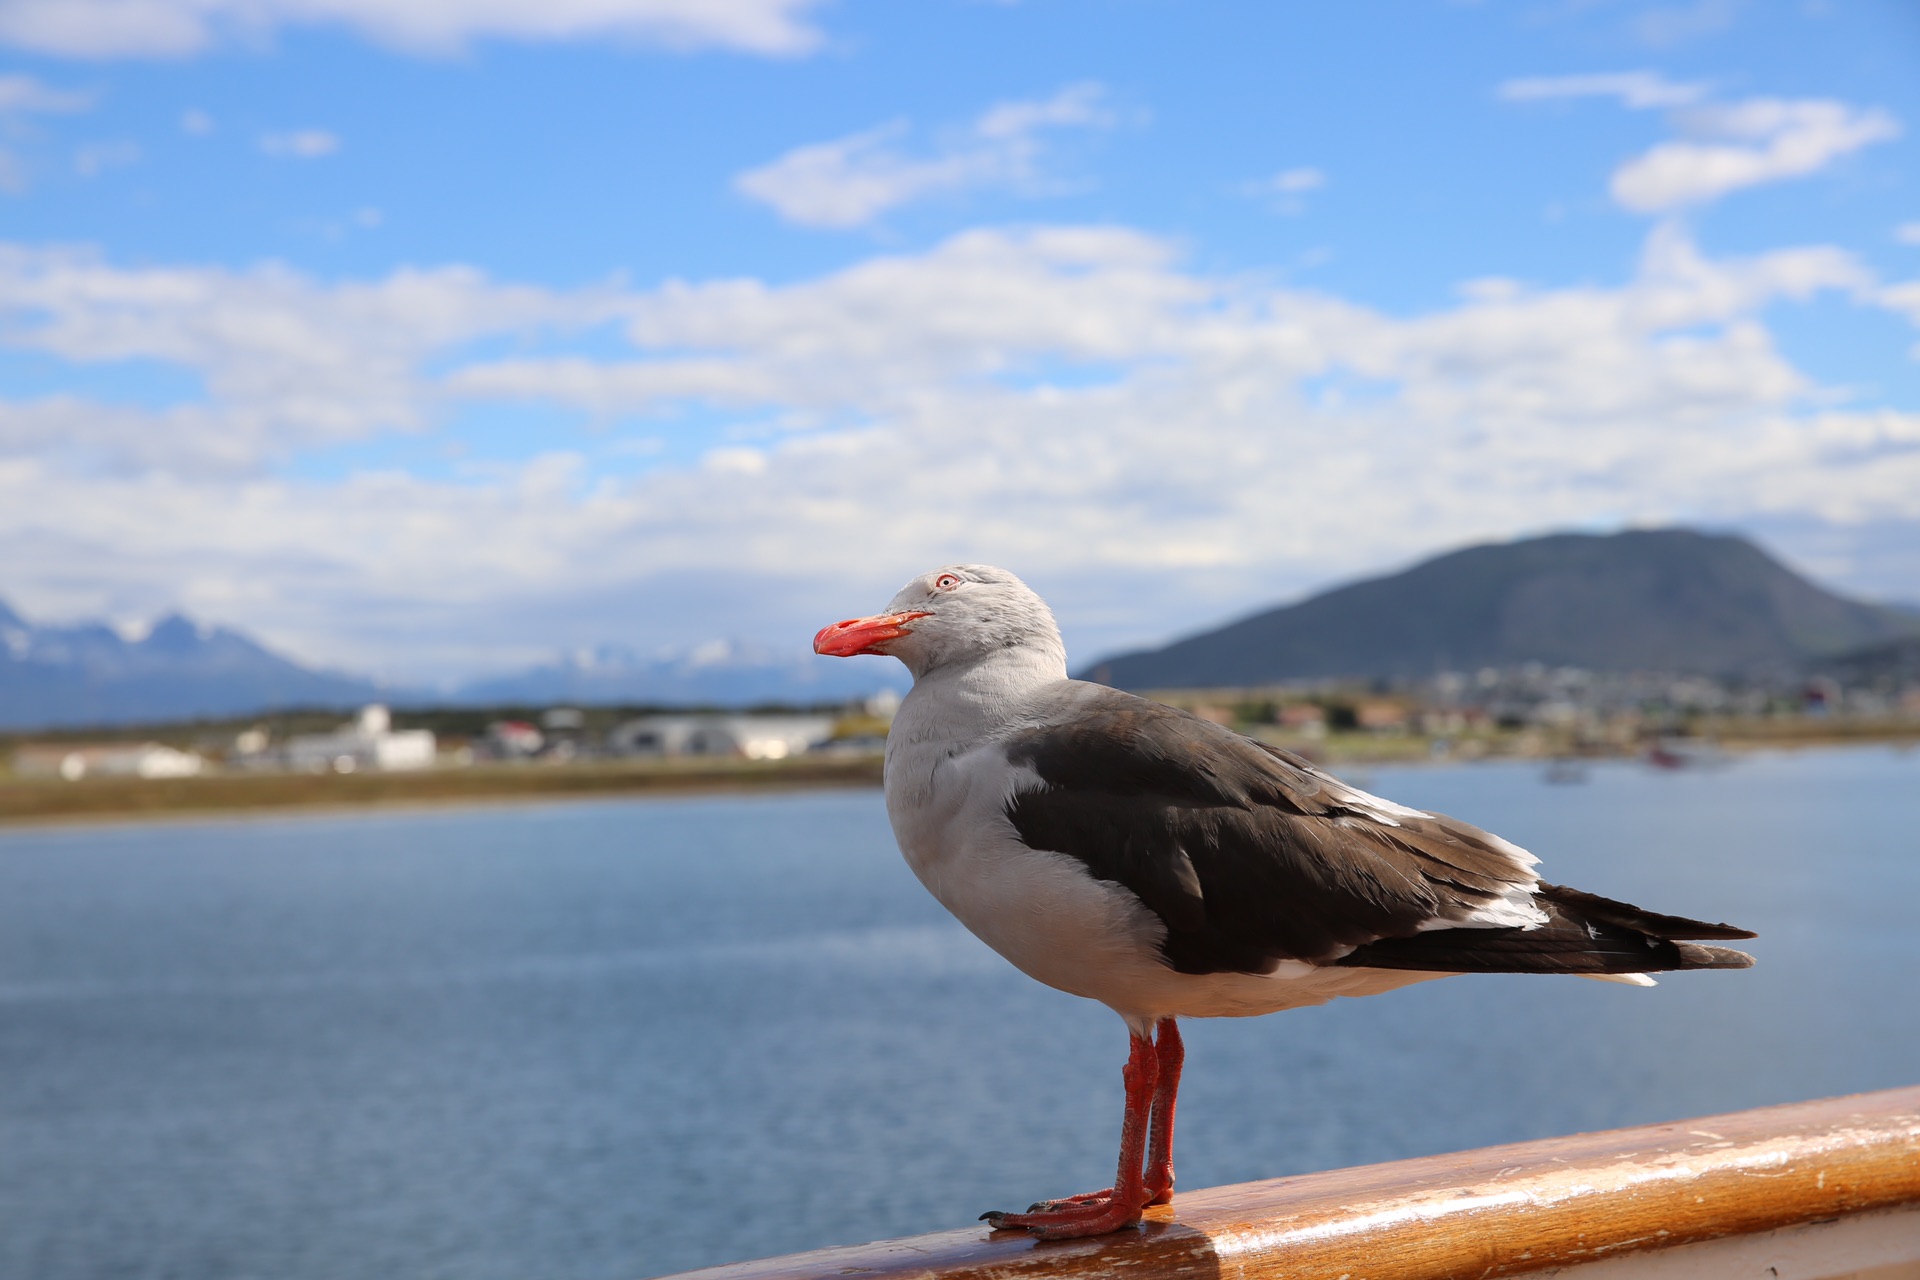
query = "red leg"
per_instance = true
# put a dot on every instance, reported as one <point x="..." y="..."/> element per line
<point x="1171" y="1055"/>
<point x="1101" y="1213"/>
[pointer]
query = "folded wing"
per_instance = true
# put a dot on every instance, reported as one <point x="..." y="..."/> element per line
<point x="1251" y="856"/>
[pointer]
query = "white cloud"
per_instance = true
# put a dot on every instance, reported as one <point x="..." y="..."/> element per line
<point x="21" y="98"/>
<point x="301" y="144"/>
<point x="983" y="305"/>
<point x="1907" y="233"/>
<point x="1664" y="28"/>
<point x="1903" y="299"/>
<point x="1286" y="191"/>
<point x="24" y="95"/>
<point x="1638" y="90"/>
<point x="196" y="122"/>
<point x="1725" y="147"/>
<point x="1745" y="144"/>
<point x="181" y="28"/>
<point x="1295" y="180"/>
<point x="1076" y="105"/>
<point x="286" y="363"/>
<point x="851" y="181"/>
<point x="1072" y="401"/>
<point x="96" y="158"/>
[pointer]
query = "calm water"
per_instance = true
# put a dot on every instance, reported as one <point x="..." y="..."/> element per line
<point x="620" y="1039"/>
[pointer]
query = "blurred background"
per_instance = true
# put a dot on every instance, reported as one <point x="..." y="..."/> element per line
<point x="549" y="370"/>
<point x="429" y="340"/>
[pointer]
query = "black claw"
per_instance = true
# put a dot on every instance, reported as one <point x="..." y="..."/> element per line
<point x="1038" y="1206"/>
<point x="993" y="1216"/>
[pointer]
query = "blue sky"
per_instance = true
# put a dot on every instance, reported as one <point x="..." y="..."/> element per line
<point x="432" y="337"/>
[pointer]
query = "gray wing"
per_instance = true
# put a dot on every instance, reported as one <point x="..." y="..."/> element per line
<point x="1250" y="855"/>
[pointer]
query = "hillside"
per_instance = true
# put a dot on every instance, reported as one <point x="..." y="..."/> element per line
<point x="1661" y="599"/>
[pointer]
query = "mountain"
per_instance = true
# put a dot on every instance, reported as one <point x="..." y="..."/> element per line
<point x="720" y="673"/>
<point x="90" y="674"/>
<point x="1658" y="599"/>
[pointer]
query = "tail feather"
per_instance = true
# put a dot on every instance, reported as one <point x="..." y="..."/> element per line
<point x="1584" y="934"/>
<point x="1591" y="906"/>
<point x="1698" y="957"/>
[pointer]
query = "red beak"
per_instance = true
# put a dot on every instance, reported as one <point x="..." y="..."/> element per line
<point x="863" y="635"/>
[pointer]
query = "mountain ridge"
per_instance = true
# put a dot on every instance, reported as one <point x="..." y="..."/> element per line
<point x="1646" y="599"/>
<point x="88" y="673"/>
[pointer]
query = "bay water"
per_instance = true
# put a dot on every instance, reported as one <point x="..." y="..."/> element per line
<point x="616" y="1039"/>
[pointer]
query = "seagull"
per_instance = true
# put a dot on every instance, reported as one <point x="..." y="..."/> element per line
<point x="1132" y="853"/>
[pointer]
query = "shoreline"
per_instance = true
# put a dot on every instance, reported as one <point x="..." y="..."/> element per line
<point x="52" y="803"/>
<point x="57" y="803"/>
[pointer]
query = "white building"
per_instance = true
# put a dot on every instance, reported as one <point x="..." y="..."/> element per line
<point x="369" y="741"/>
<point x="755" y="737"/>
<point x="106" y="760"/>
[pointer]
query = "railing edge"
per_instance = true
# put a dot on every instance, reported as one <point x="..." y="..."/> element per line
<point x="1495" y="1211"/>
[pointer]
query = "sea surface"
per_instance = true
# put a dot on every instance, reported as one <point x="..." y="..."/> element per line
<point x="610" y="1040"/>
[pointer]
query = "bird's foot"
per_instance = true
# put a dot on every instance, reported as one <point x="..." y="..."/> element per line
<point x="1050" y="1206"/>
<point x="1094" y="1214"/>
<point x="1154" y="1196"/>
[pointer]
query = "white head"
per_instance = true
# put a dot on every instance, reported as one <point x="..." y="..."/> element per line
<point x="953" y="616"/>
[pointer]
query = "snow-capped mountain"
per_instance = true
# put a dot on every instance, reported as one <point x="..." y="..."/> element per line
<point x="88" y="673"/>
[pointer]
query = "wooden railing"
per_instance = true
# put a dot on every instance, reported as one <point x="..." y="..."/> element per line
<point x="1809" y="1191"/>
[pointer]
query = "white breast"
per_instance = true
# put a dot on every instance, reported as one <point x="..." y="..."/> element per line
<point x="1038" y="909"/>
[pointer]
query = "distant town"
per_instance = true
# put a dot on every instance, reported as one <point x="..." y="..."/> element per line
<point x="1558" y="715"/>
<point x="372" y="741"/>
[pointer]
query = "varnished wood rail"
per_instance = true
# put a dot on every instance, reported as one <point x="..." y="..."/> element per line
<point x="1810" y="1191"/>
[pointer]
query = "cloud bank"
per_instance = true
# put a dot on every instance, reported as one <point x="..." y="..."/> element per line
<point x="1140" y="438"/>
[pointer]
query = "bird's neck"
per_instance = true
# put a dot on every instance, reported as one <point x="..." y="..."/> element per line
<point x="962" y="703"/>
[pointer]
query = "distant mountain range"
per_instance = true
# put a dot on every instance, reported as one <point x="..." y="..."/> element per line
<point x="1649" y="600"/>
<point x="1666" y="600"/>
<point x="91" y="674"/>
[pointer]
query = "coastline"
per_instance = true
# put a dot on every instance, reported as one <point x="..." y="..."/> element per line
<point x="28" y="803"/>
<point x="55" y="802"/>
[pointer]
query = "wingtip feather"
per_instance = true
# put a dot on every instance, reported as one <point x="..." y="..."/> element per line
<point x="1696" y="956"/>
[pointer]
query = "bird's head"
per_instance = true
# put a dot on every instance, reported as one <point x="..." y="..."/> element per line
<point x="958" y="614"/>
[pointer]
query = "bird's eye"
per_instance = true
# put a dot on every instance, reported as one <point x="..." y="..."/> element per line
<point x="947" y="581"/>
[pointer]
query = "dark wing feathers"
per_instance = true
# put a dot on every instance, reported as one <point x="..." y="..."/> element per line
<point x="1584" y="933"/>
<point x="1250" y="856"/>
<point x="1592" y="906"/>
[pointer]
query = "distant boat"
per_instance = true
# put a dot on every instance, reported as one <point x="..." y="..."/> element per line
<point x="1685" y="753"/>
